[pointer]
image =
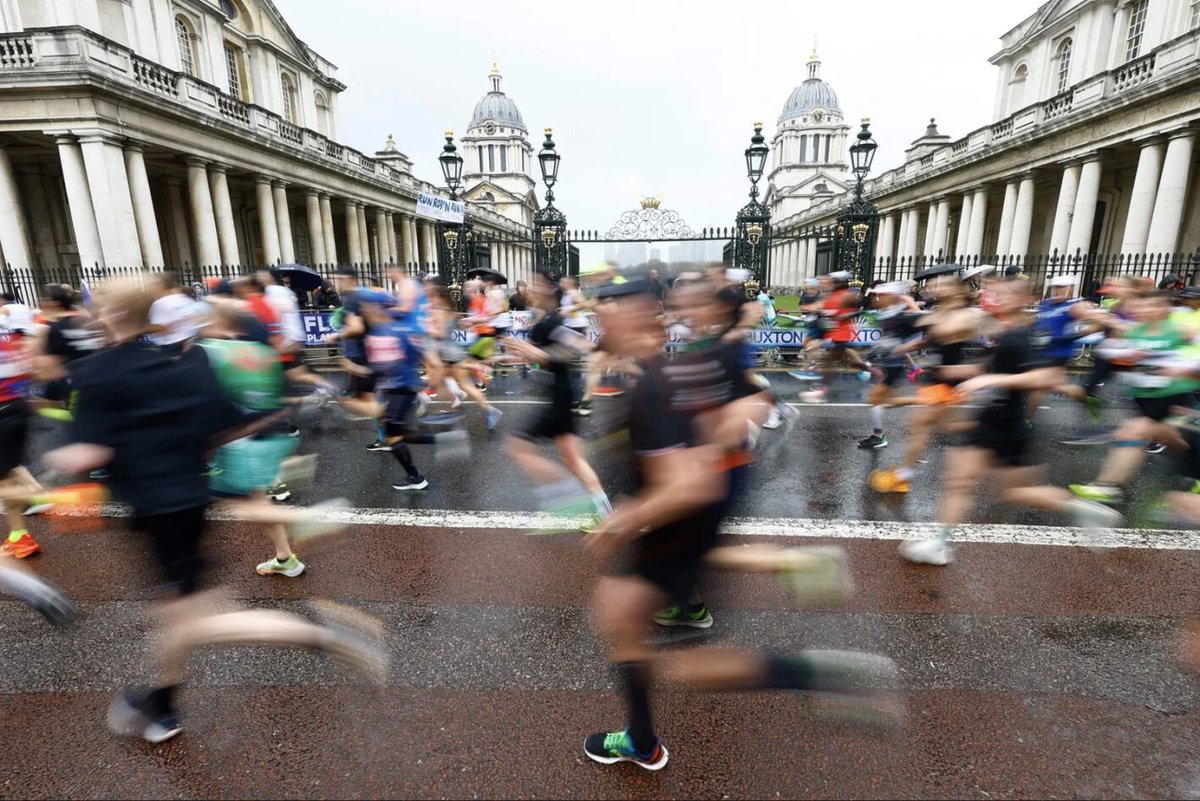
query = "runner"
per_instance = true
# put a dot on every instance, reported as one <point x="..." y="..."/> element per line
<point x="895" y="314"/>
<point x="668" y="529"/>
<point x="67" y="337"/>
<point x="359" y="400"/>
<point x="174" y="318"/>
<point x="1000" y="441"/>
<point x="150" y="416"/>
<point x="838" y="311"/>
<point x="554" y="346"/>
<point x="1152" y="344"/>
<point x="287" y="310"/>
<point x="444" y="322"/>
<point x="16" y="482"/>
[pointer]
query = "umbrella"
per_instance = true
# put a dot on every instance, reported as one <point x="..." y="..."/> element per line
<point x="487" y="275"/>
<point x="936" y="270"/>
<point x="978" y="272"/>
<point x="305" y="279"/>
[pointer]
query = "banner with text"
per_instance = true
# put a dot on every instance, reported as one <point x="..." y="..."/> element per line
<point x="435" y="207"/>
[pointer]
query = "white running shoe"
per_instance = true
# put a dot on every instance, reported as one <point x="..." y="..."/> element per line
<point x="813" y="396"/>
<point x="927" y="552"/>
<point x="774" y="420"/>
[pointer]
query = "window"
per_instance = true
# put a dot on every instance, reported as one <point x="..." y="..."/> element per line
<point x="229" y="9"/>
<point x="503" y="159"/>
<point x="322" y="113"/>
<point x="1064" y="66"/>
<point x="1016" y="94"/>
<point x="491" y="158"/>
<point x="233" y="66"/>
<point x="187" y="53"/>
<point x="803" y="146"/>
<point x="288" y="87"/>
<point x="1194" y="15"/>
<point x="828" y="143"/>
<point x="1137" y="25"/>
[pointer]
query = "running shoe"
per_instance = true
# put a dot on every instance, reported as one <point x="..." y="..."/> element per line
<point x="1155" y="448"/>
<point x="43" y="597"/>
<point x="22" y="548"/>
<point x="58" y="415"/>
<point x="412" y="483"/>
<point x="856" y="686"/>
<point x="591" y="524"/>
<point x="1195" y="488"/>
<point x="456" y="399"/>
<point x="914" y="374"/>
<point x="583" y="408"/>
<point x="607" y="392"/>
<point x="774" y="419"/>
<point x="491" y="417"/>
<point x="99" y="474"/>
<point x="1093" y="515"/>
<point x="817" y="575"/>
<point x="887" y="481"/>
<point x="378" y="446"/>
<point x="128" y="717"/>
<point x="211" y="470"/>
<point x="928" y="552"/>
<point x="279" y="492"/>
<point x="609" y="748"/>
<point x="1098" y="492"/>
<point x="37" y="509"/>
<point x="293" y="430"/>
<point x="681" y="616"/>
<point x="290" y="567"/>
<point x="813" y="396"/>
<point x="873" y="441"/>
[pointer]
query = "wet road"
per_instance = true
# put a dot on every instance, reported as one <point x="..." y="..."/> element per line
<point x="1028" y="669"/>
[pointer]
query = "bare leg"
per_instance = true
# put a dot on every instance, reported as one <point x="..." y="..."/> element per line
<point x="535" y="465"/>
<point x="1127" y="454"/>
<point x="965" y="467"/>
<point x="570" y="448"/>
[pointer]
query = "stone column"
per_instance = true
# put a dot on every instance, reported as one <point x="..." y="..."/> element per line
<point x="109" y="186"/>
<point x="268" y="227"/>
<point x="1141" y="198"/>
<point x="327" y="228"/>
<point x="393" y="256"/>
<point x="979" y="208"/>
<point x="41" y="220"/>
<point x="1172" y="194"/>
<point x="1023" y="218"/>
<point x="143" y="206"/>
<point x="364" y="240"/>
<point x="406" y="242"/>
<point x="353" y="244"/>
<point x="179" y="220"/>
<point x="930" y="231"/>
<point x="1083" y="218"/>
<point x="316" y="228"/>
<point x="902" y="237"/>
<point x="1065" y="209"/>
<point x="802" y="261"/>
<point x="383" y="245"/>
<point x="964" y="226"/>
<point x="218" y="181"/>
<point x="14" y="233"/>
<point x="283" y="218"/>
<point x="1004" y="241"/>
<point x="941" y="234"/>
<point x="422" y="245"/>
<point x="204" y="223"/>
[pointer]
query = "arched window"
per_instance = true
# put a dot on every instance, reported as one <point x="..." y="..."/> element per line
<point x="1064" y="65"/>
<point x="322" y="113"/>
<point x="187" y="51"/>
<point x="288" y="91"/>
<point x="1016" y="93"/>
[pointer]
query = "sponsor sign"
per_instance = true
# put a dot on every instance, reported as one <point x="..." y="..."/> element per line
<point x="435" y="207"/>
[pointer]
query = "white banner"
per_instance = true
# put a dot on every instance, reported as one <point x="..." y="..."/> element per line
<point x="435" y="207"/>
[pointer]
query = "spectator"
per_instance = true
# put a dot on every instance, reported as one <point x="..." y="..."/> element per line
<point x="327" y="297"/>
<point x="519" y="300"/>
<point x="301" y="295"/>
<point x="656" y="287"/>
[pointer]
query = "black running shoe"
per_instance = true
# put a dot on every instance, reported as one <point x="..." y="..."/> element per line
<point x="417" y="483"/>
<point x="1155" y="448"/>
<point x="379" y="445"/>
<point x="129" y="716"/>
<point x="873" y="441"/>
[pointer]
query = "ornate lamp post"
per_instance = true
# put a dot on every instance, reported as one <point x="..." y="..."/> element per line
<point x="456" y="241"/>
<point x="859" y="221"/>
<point x="549" y="224"/>
<point x="753" y="222"/>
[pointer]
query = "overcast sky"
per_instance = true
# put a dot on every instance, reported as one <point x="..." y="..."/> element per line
<point x="653" y="97"/>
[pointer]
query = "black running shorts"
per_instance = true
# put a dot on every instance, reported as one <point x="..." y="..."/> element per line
<point x="1011" y="443"/>
<point x="1159" y="409"/>
<point x="175" y="537"/>
<point x="14" y="432"/>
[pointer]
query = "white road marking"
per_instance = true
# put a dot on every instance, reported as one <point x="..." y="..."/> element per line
<point x="783" y="527"/>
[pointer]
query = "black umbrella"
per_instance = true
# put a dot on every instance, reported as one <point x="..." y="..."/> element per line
<point x="305" y="279"/>
<point x="936" y="270"/>
<point x="487" y="275"/>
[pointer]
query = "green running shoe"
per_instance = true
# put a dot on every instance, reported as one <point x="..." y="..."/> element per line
<point x="680" y="616"/>
<point x="60" y="415"/>
<point x="590" y="525"/>
<point x="291" y="567"/>
<point x="1098" y="492"/>
<point x="609" y="748"/>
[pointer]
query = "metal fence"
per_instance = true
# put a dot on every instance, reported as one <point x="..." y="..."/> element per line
<point x="27" y="282"/>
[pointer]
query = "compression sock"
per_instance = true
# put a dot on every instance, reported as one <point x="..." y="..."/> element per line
<point x="637" y="684"/>
<point x="404" y="457"/>
<point x="158" y="700"/>
<point x="789" y="673"/>
<point x="875" y="413"/>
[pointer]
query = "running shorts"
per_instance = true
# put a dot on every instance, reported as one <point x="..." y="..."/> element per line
<point x="249" y="464"/>
<point x="14" y="433"/>
<point x="175" y="537"/>
<point x="361" y="384"/>
<point x="483" y="348"/>
<point x="894" y="375"/>
<point x="672" y="557"/>
<point x="1011" y="443"/>
<point x="1159" y="409"/>
<point x="553" y="420"/>
<point x="400" y="411"/>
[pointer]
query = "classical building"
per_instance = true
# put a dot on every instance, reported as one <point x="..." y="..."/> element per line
<point x="144" y="133"/>
<point x="1092" y="152"/>
<point x="498" y="157"/>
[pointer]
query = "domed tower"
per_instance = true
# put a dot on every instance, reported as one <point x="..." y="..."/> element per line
<point x="809" y="149"/>
<point x="497" y="156"/>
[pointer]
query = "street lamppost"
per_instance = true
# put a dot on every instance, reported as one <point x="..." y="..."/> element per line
<point x="859" y="220"/>
<point x="753" y="222"/>
<point x="456" y="241"/>
<point x="550" y="224"/>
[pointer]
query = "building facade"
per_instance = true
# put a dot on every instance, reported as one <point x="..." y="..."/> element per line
<point x="151" y="133"/>
<point x="1092" y="152"/>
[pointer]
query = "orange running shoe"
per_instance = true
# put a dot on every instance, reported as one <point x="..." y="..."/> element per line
<point x="22" y="548"/>
<point x="887" y="481"/>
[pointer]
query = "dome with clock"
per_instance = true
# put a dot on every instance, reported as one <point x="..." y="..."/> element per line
<point x="497" y="156"/>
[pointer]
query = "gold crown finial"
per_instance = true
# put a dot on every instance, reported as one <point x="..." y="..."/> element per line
<point x="495" y="66"/>
<point x="448" y="134"/>
<point x="651" y="203"/>
<point x="815" y="55"/>
<point x="866" y="120"/>
<point x="549" y="131"/>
